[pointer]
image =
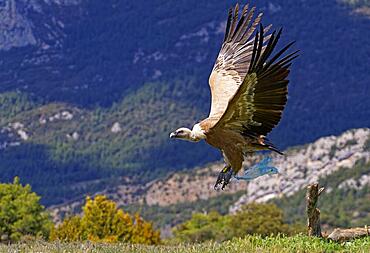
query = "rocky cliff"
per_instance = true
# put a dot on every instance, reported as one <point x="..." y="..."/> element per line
<point x="303" y="166"/>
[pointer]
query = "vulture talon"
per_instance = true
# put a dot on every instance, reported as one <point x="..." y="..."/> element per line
<point x="218" y="181"/>
<point x="224" y="178"/>
<point x="227" y="178"/>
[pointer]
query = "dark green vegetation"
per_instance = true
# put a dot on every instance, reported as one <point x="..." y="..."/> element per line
<point x="261" y="219"/>
<point x="21" y="214"/>
<point x="145" y="65"/>
<point x="251" y="244"/>
<point x="346" y="207"/>
<point x="64" y="158"/>
<point x="12" y="104"/>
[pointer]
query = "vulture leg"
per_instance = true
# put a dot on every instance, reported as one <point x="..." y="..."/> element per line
<point x="224" y="177"/>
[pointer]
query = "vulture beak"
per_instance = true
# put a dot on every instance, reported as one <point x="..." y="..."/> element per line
<point x="173" y="135"/>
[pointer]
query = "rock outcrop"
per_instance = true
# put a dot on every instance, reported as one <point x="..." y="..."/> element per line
<point x="303" y="166"/>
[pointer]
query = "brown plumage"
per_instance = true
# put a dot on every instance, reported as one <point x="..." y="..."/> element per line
<point x="249" y="91"/>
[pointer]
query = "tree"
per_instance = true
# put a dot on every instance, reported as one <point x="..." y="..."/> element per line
<point x="102" y="221"/>
<point x="21" y="214"/>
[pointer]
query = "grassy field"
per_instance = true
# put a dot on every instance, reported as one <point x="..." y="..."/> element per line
<point x="248" y="244"/>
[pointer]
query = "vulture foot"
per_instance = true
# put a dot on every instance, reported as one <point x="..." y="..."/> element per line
<point x="224" y="177"/>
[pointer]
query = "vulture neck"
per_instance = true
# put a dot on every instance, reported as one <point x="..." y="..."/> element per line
<point x="197" y="133"/>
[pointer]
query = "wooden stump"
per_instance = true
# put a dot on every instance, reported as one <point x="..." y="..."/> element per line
<point x="313" y="220"/>
<point x="313" y="213"/>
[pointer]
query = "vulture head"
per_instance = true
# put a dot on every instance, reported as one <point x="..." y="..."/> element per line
<point x="183" y="133"/>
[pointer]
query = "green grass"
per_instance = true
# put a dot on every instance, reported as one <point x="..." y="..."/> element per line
<point x="279" y="244"/>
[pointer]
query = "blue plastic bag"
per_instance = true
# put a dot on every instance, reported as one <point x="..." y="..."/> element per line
<point x="259" y="169"/>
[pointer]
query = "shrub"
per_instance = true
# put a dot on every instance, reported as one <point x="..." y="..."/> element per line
<point x="143" y="232"/>
<point x="102" y="221"/>
<point x="69" y="230"/>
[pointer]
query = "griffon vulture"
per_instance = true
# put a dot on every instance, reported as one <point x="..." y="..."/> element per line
<point x="249" y="91"/>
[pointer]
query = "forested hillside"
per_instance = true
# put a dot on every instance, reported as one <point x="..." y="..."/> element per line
<point x="339" y="163"/>
<point x="91" y="89"/>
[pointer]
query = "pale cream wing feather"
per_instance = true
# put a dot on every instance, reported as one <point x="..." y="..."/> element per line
<point x="223" y="87"/>
<point x="233" y="61"/>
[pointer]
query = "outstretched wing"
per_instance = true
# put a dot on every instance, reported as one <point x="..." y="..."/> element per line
<point x="233" y="61"/>
<point x="259" y="101"/>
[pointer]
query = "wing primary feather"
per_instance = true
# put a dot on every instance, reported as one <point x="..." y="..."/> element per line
<point x="267" y="52"/>
<point x="276" y="38"/>
<point x="273" y="59"/>
<point x="276" y="67"/>
<point x="233" y="23"/>
<point x="251" y="29"/>
<point x="246" y="47"/>
<point x="280" y="64"/>
<point x="245" y="9"/>
<point x="288" y="58"/>
<point x="273" y="45"/>
<point x="267" y="28"/>
<point x="259" y="48"/>
<point x="242" y="25"/>
<point x="229" y="18"/>
<point x="239" y="28"/>
<point x="254" y="53"/>
<point x="243" y="35"/>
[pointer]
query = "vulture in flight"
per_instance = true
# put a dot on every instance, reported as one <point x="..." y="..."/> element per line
<point x="249" y="91"/>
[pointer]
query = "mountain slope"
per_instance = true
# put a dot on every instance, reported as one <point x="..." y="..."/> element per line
<point x="337" y="162"/>
<point x="58" y="146"/>
<point x="130" y="72"/>
<point x="90" y="53"/>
